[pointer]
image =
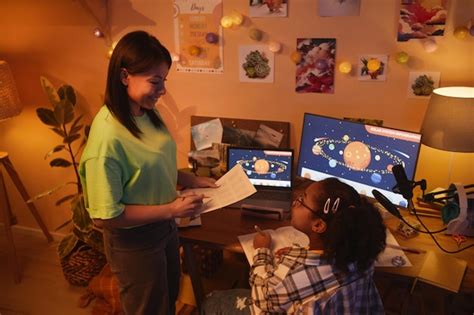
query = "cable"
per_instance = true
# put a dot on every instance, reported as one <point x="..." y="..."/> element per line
<point x="434" y="239"/>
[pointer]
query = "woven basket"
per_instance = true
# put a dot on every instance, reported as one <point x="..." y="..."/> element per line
<point x="82" y="265"/>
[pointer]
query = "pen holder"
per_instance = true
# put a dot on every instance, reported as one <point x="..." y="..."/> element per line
<point x="406" y="231"/>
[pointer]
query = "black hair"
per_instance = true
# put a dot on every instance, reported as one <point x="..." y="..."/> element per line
<point x="355" y="232"/>
<point x="137" y="52"/>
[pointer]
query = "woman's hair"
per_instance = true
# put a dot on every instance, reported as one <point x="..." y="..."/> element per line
<point x="355" y="232"/>
<point x="138" y="52"/>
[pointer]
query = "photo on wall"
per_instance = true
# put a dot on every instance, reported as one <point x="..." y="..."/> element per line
<point x="268" y="8"/>
<point x="372" y="68"/>
<point x="421" y="18"/>
<point x="421" y="84"/>
<point x="256" y="64"/>
<point x="338" y="7"/>
<point x="315" y="71"/>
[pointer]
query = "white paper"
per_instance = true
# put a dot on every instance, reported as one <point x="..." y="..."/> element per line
<point x="285" y="236"/>
<point x="288" y="236"/>
<point x="233" y="186"/>
<point x="185" y="222"/>
<point x="385" y="257"/>
<point x="206" y="133"/>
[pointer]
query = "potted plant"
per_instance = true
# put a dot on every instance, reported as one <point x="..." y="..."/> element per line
<point x="81" y="251"/>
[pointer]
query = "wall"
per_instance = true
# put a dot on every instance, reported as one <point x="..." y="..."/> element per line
<point x="54" y="38"/>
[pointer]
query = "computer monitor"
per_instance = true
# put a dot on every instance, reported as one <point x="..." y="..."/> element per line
<point x="359" y="154"/>
<point x="264" y="167"/>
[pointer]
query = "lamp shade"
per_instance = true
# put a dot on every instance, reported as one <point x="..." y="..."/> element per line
<point x="10" y="104"/>
<point x="449" y="120"/>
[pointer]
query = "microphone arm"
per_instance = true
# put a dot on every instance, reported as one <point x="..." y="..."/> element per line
<point x="387" y="204"/>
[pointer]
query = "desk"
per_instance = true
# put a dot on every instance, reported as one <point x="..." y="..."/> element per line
<point x="220" y="229"/>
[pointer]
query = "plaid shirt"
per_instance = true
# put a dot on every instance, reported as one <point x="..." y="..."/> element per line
<point x="302" y="282"/>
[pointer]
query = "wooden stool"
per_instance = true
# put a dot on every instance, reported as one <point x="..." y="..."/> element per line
<point x="7" y="216"/>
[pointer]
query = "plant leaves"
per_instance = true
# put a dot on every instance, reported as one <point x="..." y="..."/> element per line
<point x="59" y="131"/>
<point x="71" y="138"/>
<point x="48" y="192"/>
<point x="66" y="245"/>
<point x="80" y="216"/>
<point x="60" y="162"/>
<point x="67" y="92"/>
<point x="47" y="117"/>
<point x="87" y="129"/>
<point x="68" y="111"/>
<point x="63" y="225"/>
<point x="59" y="112"/>
<point x="55" y="149"/>
<point x="64" y="199"/>
<point x="48" y="88"/>
<point x="75" y="130"/>
<point x="76" y="121"/>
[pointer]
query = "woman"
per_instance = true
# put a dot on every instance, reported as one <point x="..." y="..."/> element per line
<point x="128" y="171"/>
<point x="333" y="276"/>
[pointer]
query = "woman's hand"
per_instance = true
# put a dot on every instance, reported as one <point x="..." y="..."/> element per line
<point x="188" y="180"/>
<point x="204" y="182"/>
<point x="263" y="239"/>
<point x="187" y="205"/>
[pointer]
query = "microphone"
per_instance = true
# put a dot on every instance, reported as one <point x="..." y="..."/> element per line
<point x="405" y="186"/>
<point x="387" y="204"/>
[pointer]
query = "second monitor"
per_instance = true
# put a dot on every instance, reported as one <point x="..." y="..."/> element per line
<point x="359" y="154"/>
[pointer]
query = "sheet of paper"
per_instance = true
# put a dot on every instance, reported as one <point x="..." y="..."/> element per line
<point x="185" y="222"/>
<point x="385" y="258"/>
<point x="206" y="133"/>
<point x="288" y="236"/>
<point x="233" y="186"/>
<point x="285" y="236"/>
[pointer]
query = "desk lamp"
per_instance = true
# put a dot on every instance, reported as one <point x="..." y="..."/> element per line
<point x="449" y="125"/>
<point x="10" y="106"/>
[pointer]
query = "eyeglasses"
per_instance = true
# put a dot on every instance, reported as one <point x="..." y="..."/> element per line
<point x="299" y="200"/>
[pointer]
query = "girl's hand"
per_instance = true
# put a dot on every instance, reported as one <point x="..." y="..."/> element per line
<point x="282" y="251"/>
<point x="186" y="205"/>
<point x="203" y="182"/>
<point x="262" y="240"/>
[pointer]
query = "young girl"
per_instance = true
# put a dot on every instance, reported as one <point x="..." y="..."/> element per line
<point x="128" y="171"/>
<point x="332" y="276"/>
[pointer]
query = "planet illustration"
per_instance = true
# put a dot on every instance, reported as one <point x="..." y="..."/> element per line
<point x="261" y="166"/>
<point x="376" y="178"/>
<point x="357" y="155"/>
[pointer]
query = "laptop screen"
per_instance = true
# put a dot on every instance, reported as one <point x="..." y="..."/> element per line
<point x="264" y="167"/>
<point x="358" y="154"/>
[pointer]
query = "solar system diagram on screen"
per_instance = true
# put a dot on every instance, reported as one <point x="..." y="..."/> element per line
<point x="358" y="152"/>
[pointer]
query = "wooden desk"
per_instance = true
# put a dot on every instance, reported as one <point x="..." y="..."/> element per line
<point x="220" y="229"/>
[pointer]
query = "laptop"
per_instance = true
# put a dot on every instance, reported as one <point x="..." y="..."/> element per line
<point x="270" y="171"/>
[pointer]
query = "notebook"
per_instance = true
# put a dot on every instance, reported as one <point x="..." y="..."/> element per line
<point x="270" y="171"/>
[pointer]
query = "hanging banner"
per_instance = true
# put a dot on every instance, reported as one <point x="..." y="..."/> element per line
<point x="198" y="36"/>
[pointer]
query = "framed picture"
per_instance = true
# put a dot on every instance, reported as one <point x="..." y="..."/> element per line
<point x="256" y="64"/>
<point x="421" y="18"/>
<point x="372" y="68"/>
<point x="268" y="8"/>
<point x="421" y="84"/>
<point x="315" y="71"/>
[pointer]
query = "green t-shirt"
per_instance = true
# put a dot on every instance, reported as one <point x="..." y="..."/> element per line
<point x="117" y="168"/>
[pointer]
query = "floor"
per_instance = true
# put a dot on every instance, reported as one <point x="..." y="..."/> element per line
<point x="43" y="289"/>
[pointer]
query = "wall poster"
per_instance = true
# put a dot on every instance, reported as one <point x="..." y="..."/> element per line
<point x="315" y="71"/>
<point x="194" y="20"/>
<point x="421" y="18"/>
